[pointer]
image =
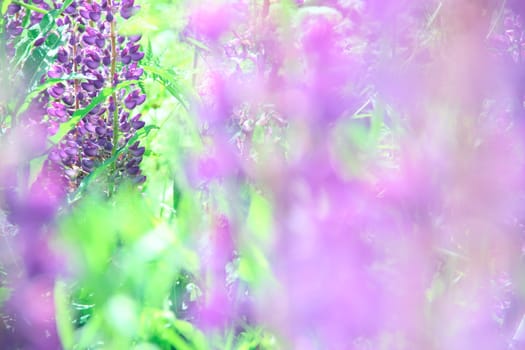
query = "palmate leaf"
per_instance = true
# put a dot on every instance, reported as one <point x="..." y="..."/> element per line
<point x="149" y="57"/>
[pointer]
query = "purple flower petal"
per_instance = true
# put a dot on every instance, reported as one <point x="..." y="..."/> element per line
<point x="135" y="38"/>
<point x="13" y="9"/>
<point x="84" y="13"/>
<point x="91" y="64"/>
<point x="133" y="170"/>
<point x="130" y="103"/>
<point x="100" y="42"/>
<point x="139" y="124"/>
<point x="125" y="59"/>
<point x="88" y="87"/>
<point x="137" y="56"/>
<point x="127" y="12"/>
<point x="87" y="164"/>
<point x="140" y="100"/>
<point x="88" y="39"/>
<point x="101" y="131"/>
<point x="138" y="152"/>
<point x="94" y="16"/>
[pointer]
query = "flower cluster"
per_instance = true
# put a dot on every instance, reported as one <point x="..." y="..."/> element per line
<point x="94" y="57"/>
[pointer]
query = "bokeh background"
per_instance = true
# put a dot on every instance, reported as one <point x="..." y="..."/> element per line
<point x="262" y="174"/>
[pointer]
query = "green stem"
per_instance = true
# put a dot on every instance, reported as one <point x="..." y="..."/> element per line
<point x="113" y="82"/>
<point x="115" y="127"/>
<point x="194" y="66"/>
<point x="29" y="7"/>
<point x="114" y="95"/>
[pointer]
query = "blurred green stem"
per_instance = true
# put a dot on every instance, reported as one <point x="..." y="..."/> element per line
<point x="29" y="7"/>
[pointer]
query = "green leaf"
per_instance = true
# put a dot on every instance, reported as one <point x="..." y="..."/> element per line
<point x="260" y="217"/>
<point x="190" y="333"/>
<point x="162" y="325"/>
<point x="27" y="6"/>
<point x="177" y="194"/>
<point x="5" y="4"/>
<point x="168" y="80"/>
<point x="122" y="313"/>
<point x="376" y="121"/>
<point x="5" y="293"/>
<point x="63" y="317"/>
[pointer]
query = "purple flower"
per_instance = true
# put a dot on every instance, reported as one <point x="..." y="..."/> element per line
<point x="88" y="52"/>
<point x="13" y="9"/>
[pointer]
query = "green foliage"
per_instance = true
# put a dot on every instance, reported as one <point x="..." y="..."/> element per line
<point x="256" y="339"/>
<point x="63" y="317"/>
<point x="129" y="261"/>
<point x="162" y="328"/>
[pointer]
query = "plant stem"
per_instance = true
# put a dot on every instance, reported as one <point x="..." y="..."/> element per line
<point x="113" y="84"/>
<point x="113" y="80"/>
<point x="194" y="66"/>
<point x="29" y="7"/>
<point x="75" y="70"/>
